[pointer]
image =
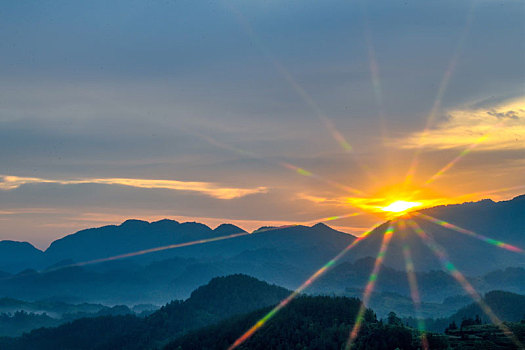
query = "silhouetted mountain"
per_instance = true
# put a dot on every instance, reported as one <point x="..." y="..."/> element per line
<point x="501" y="221"/>
<point x="286" y="256"/>
<point x="313" y="245"/>
<point x="131" y="235"/>
<point x="135" y="235"/>
<point x="512" y="278"/>
<point x="15" y="256"/>
<point x="506" y="306"/>
<point x="221" y="298"/>
<point x="17" y="316"/>
<point x="53" y="308"/>
<point x="227" y="229"/>
<point x="235" y="294"/>
<point x="283" y="255"/>
<point x="433" y="285"/>
<point x="160" y="281"/>
<point x="19" y="322"/>
<point x="308" y="322"/>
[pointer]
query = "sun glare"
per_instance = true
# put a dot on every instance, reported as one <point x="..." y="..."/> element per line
<point x="400" y="206"/>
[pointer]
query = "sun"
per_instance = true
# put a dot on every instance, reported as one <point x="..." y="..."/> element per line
<point x="401" y="206"/>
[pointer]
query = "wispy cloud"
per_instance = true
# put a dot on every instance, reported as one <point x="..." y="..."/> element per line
<point x="8" y="182"/>
<point x="500" y="127"/>
<point x="24" y="211"/>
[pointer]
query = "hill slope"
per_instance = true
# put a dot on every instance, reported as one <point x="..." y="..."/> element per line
<point x="16" y="256"/>
<point x="286" y="256"/>
<point x="220" y="298"/>
<point x="502" y="221"/>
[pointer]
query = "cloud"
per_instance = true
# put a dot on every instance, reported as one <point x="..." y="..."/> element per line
<point x="500" y="127"/>
<point x="24" y="211"/>
<point x="12" y="182"/>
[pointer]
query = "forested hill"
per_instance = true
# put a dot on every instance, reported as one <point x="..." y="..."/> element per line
<point x="218" y="313"/>
<point x="320" y="323"/>
<point x="324" y="323"/>
<point x="222" y="297"/>
<point x="506" y="306"/>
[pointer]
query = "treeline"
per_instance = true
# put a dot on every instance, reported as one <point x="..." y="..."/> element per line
<point x="308" y="322"/>
<point x="16" y="323"/>
<point x="506" y="305"/>
<point x="218" y="313"/>
<point x="221" y="298"/>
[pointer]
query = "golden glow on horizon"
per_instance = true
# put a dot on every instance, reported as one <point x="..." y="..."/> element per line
<point x="386" y="201"/>
<point x="400" y="206"/>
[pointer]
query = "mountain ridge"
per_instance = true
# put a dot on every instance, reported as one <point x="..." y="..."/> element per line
<point x="284" y="255"/>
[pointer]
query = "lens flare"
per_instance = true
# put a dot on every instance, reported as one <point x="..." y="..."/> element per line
<point x="414" y="293"/>
<point x="332" y="218"/>
<point x="458" y="276"/>
<point x="454" y="161"/>
<point x="287" y="165"/>
<point x="375" y="74"/>
<point x="463" y="153"/>
<point x="299" y="89"/>
<point x="295" y="293"/>
<point x="202" y="241"/>
<point x="307" y="173"/>
<point x="441" y="92"/>
<point x="483" y="238"/>
<point x="151" y="250"/>
<point x="294" y="168"/>
<point x="315" y="221"/>
<point x="370" y="286"/>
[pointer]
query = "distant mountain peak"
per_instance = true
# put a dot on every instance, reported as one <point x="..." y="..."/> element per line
<point x="166" y="221"/>
<point x="367" y="262"/>
<point x="196" y="224"/>
<point x="17" y="244"/>
<point x="322" y="226"/>
<point x="265" y="228"/>
<point x="228" y="229"/>
<point x="134" y="222"/>
<point x="250" y="291"/>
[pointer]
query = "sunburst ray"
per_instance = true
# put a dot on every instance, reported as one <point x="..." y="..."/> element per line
<point x="440" y="253"/>
<point x="301" y="288"/>
<point x="387" y="236"/>
<point x="414" y="290"/>
<point x="150" y="250"/>
<point x="441" y="91"/>
<point x="305" y="97"/>
<point x="481" y="237"/>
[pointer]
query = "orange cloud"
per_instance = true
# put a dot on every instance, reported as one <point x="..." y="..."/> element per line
<point x="211" y="189"/>
<point x="500" y="127"/>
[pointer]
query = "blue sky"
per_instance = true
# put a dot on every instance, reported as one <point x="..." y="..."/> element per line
<point x="222" y="93"/>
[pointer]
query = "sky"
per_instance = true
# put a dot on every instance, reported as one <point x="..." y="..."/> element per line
<point x="254" y="112"/>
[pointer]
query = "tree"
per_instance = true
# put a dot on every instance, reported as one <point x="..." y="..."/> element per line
<point x="451" y="327"/>
<point x="477" y="320"/>
<point x="393" y="320"/>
